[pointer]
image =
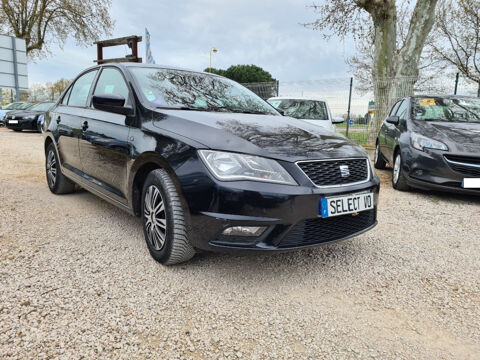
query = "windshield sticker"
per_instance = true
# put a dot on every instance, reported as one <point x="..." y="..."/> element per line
<point x="427" y="102"/>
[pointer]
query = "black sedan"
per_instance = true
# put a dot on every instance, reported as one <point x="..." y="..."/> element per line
<point x="432" y="142"/>
<point x="28" y="118"/>
<point x="205" y="163"/>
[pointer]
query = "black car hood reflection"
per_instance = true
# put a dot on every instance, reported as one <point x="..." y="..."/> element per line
<point x="20" y="114"/>
<point x="278" y="137"/>
<point x="459" y="137"/>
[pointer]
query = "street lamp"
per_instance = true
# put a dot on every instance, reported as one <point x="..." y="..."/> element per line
<point x="212" y="49"/>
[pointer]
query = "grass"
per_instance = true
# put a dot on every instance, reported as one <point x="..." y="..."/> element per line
<point x="360" y="137"/>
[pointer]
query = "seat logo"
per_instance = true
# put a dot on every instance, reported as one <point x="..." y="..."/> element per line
<point x="344" y="171"/>
<point x="13" y="117"/>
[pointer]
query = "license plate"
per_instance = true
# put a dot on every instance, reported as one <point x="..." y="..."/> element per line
<point x="13" y="121"/>
<point x="472" y="183"/>
<point x="345" y="204"/>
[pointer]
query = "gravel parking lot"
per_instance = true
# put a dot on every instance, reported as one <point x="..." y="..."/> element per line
<point x="77" y="282"/>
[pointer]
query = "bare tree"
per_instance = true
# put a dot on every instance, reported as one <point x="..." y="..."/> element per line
<point x="395" y="67"/>
<point x="43" y="22"/>
<point x="456" y="40"/>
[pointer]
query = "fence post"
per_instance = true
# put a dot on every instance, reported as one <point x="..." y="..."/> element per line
<point x="349" y="103"/>
<point x="456" y="83"/>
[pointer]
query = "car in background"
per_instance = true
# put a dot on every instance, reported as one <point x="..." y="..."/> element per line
<point x="7" y="108"/>
<point x="313" y="111"/>
<point x="432" y="142"/>
<point x="205" y="163"/>
<point x="29" y="118"/>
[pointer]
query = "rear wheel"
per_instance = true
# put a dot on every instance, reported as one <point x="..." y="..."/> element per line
<point x="17" y="130"/>
<point x="163" y="220"/>
<point x="379" y="161"/>
<point x="57" y="182"/>
<point x="399" y="181"/>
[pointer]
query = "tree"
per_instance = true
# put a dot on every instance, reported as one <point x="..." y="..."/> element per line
<point x="43" y="22"/>
<point x="395" y="65"/>
<point x="456" y="40"/>
<point x="220" y="72"/>
<point x="244" y="73"/>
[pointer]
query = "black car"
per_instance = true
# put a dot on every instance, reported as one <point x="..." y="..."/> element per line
<point x="205" y="162"/>
<point x="432" y="142"/>
<point x="28" y="118"/>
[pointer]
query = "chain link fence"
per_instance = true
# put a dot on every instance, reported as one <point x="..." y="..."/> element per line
<point x="265" y="90"/>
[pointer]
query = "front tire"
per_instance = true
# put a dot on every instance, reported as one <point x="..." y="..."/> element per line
<point x="399" y="180"/>
<point x="163" y="220"/>
<point x="57" y="182"/>
<point x="379" y="161"/>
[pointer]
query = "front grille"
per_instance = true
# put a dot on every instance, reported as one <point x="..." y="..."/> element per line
<point x="469" y="166"/>
<point x="316" y="231"/>
<point x="328" y="173"/>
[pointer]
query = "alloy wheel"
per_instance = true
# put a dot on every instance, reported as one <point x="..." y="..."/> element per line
<point x="51" y="169"/>
<point x="377" y="152"/>
<point x="396" y="168"/>
<point x="155" y="217"/>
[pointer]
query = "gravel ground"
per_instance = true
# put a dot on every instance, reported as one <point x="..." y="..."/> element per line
<point x="77" y="282"/>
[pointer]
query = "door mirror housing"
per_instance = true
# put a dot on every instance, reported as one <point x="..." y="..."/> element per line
<point x="337" y="120"/>
<point x="393" y="120"/>
<point x="111" y="103"/>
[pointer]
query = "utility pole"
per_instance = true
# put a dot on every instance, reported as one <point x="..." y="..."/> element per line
<point x="456" y="84"/>
<point x="349" y="104"/>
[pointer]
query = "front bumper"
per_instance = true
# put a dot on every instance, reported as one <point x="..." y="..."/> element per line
<point x="22" y="124"/>
<point x="429" y="170"/>
<point x="289" y="213"/>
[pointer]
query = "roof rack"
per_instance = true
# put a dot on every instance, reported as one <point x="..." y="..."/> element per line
<point x="130" y="41"/>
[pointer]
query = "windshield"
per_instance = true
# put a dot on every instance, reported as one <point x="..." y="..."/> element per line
<point x="447" y="109"/>
<point x="197" y="91"/>
<point x="302" y="109"/>
<point x="25" y="106"/>
<point x="41" y="106"/>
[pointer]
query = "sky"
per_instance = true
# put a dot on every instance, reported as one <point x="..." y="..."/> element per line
<point x="267" y="33"/>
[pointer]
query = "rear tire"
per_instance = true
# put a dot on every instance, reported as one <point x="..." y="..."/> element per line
<point x="379" y="161"/>
<point x="399" y="181"/>
<point x="163" y="220"/>
<point x="17" y="130"/>
<point x="57" y="182"/>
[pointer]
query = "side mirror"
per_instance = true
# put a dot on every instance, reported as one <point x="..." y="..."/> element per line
<point x="111" y="103"/>
<point x="393" y="120"/>
<point x="337" y="120"/>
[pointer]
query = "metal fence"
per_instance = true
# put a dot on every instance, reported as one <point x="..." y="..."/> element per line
<point x="264" y="89"/>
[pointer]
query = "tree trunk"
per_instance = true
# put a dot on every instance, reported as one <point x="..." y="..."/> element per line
<point x="478" y="90"/>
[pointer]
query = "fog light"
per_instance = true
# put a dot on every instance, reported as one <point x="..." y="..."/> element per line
<point x="244" y="230"/>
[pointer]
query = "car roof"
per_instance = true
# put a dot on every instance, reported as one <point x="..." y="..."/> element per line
<point x="443" y="96"/>
<point x="296" y="98"/>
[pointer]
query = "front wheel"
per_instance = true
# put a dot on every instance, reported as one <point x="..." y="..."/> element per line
<point x="399" y="181"/>
<point x="163" y="220"/>
<point x="379" y="161"/>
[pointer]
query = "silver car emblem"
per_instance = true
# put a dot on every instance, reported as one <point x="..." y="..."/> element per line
<point x="344" y="171"/>
<point x="13" y="117"/>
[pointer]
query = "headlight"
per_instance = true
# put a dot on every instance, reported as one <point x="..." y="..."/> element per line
<point x="231" y="166"/>
<point x="421" y="142"/>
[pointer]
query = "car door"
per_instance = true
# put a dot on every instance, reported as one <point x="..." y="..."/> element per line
<point x="104" y="146"/>
<point x="67" y="115"/>
<point x="390" y="131"/>
<point x="384" y="129"/>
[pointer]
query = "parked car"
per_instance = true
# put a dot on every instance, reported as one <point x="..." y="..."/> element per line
<point x="7" y="108"/>
<point x="313" y="111"/>
<point x="205" y="163"/>
<point x="432" y="142"/>
<point x="29" y="118"/>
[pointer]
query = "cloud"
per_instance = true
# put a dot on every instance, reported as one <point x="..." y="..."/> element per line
<point x="266" y="33"/>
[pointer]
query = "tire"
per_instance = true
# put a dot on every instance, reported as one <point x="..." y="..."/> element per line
<point x="164" y="229"/>
<point x="57" y="182"/>
<point x="379" y="161"/>
<point x="399" y="181"/>
<point x="17" y="130"/>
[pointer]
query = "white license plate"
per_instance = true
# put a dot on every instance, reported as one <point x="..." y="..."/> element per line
<point x="472" y="183"/>
<point x="13" y="121"/>
<point x="345" y="204"/>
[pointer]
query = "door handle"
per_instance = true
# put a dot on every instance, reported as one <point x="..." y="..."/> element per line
<point x="59" y="119"/>
<point x="85" y="126"/>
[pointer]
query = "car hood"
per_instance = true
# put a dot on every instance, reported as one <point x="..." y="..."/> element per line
<point x="459" y="137"/>
<point x="278" y="137"/>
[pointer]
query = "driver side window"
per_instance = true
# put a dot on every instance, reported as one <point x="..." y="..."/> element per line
<point x="402" y="110"/>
